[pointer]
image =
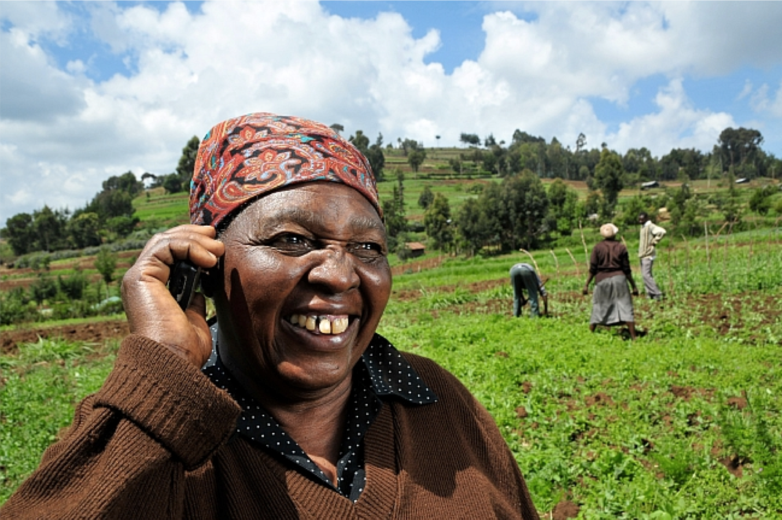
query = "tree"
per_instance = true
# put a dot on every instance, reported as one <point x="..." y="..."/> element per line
<point x="563" y="203"/>
<point x="19" y="233"/>
<point x="557" y="160"/>
<point x="739" y="146"/>
<point x="106" y="264"/>
<point x="640" y="162"/>
<point x="437" y="222"/>
<point x="594" y="201"/>
<point x="126" y="182"/>
<point x="83" y="230"/>
<point x="409" y="145"/>
<point x="109" y="203"/>
<point x="394" y="213"/>
<point x="581" y="142"/>
<point x="511" y="214"/>
<point x="520" y="137"/>
<point x="337" y="128"/>
<point x="522" y="211"/>
<point x="531" y="156"/>
<point x="122" y="225"/>
<point x="609" y="176"/>
<point x="470" y="139"/>
<point x="187" y="161"/>
<point x="471" y="226"/>
<point x="376" y="158"/>
<point x="49" y="228"/>
<point x="426" y="197"/>
<point x="172" y="183"/>
<point x="360" y="141"/>
<point x="147" y="175"/>
<point x="416" y="158"/>
<point x="374" y="153"/>
<point x="489" y="162"/>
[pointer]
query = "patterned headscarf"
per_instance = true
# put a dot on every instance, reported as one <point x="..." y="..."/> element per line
<point x="245" y="157"/>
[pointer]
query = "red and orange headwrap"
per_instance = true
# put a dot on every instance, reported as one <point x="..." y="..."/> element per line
<point x="245" y="157"/>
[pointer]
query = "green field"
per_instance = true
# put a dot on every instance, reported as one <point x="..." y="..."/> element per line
<point x="683" y="423"/>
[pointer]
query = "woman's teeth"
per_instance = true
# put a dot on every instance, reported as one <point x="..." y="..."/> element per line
<point x="323" y="324"/>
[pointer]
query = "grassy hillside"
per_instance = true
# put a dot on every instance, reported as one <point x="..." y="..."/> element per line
<point x="682" y="423"/>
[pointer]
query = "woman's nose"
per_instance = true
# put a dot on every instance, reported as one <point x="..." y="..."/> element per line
<point x="335" y="270"/>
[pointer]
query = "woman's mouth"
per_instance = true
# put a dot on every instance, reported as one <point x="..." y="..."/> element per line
<point x="328" y="324"/>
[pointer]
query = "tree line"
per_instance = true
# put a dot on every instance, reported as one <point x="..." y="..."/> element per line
<point x="737" y="149"/>
<point x="512" y="213"/>
<point x="108" y="216"/>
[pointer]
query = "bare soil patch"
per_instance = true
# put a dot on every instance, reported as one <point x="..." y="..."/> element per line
<point x="96" y="332"/>
<point x="565" y="509"/>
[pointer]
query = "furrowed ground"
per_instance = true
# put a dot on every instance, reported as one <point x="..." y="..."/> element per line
<point x="682" y="423"/>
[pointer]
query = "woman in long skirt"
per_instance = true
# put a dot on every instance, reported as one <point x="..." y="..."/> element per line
<point x="609" y="266"/>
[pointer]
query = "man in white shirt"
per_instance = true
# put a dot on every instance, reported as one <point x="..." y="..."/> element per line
<point x="650" y="237"/>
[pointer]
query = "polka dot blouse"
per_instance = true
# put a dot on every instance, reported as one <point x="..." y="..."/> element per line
<point x="381" y="374"/>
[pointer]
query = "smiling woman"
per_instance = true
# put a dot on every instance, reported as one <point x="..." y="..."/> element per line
<point x="290" y="405"/>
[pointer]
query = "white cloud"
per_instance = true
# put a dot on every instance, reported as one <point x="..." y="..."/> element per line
<point x="61" y="133"/>
<point x="32" y="89"/>
<point x="36" y="19"/>
<point x="676" y="125"/>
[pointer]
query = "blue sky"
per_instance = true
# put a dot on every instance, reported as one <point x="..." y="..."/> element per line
<point x="110" y="87"/>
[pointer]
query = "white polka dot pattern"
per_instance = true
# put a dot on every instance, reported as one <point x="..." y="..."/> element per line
<point x="382" y="373"/>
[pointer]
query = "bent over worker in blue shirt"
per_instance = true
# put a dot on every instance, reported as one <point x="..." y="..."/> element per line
<point x="523" y="276"/>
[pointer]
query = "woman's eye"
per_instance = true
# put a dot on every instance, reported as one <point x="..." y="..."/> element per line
<point x="369" y="250"/>
<point x="292" y="243"/>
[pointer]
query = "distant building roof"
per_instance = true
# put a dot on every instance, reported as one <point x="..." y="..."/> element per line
<point x="650" y="184"/>
<point x="743" y="180"/>
<point x="415" y="246"/>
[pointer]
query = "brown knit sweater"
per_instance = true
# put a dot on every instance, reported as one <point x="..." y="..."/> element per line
<point x="156" y="442"/>
<point x="609" y="258"/>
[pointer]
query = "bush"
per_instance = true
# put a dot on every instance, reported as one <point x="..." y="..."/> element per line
<point x="15" y="307"/>
<point x="43" y="288"/>
<point x="73" y="286"/>
<point x="760" y="202"/>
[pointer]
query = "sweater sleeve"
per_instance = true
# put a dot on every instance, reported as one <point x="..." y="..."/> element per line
<point x="657" y="234"/>
<point x="130" y="445"/>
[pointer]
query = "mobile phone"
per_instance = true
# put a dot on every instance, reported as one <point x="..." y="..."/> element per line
<point x="183" y="282"/>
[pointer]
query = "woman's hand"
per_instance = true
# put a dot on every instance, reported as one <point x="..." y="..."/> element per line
<point x="635" y="291"/>
<point x="152" y="311"/>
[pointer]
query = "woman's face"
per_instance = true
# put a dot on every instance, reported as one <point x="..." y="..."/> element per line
<point x="306" y="280"/>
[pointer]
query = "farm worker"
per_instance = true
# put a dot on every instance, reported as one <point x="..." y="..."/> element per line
<point x="609" y="266"/>
<point x="291" y="405"/>
<point x="650" y="237"/>
<point x="523" y="276"/>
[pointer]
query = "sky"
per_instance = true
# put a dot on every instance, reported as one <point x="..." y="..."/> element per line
<point x="94" y="89"/>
